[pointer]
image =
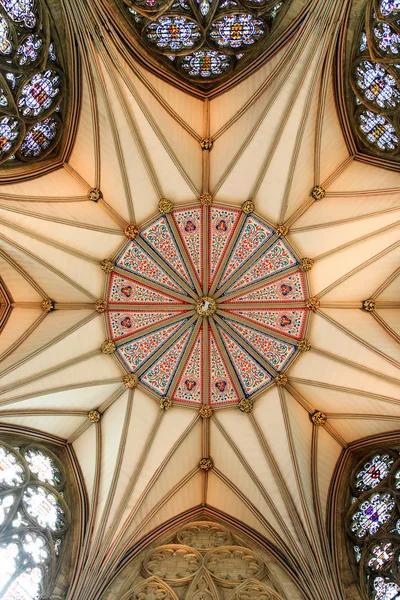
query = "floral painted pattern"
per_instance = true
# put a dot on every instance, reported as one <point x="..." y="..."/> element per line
<point x="155" y="311"/>
<point x="286" y="289"/>
<point x="189" y="225"/>
<point x="160" y="374"/>
<point x="253" y="235"/>
<point x="222" y="389"/>
<point x="276" y="352"/>
<point x="277" y="258"/>
<point x="135" y="260"/>
<point x="285" y="321"/>
<point x="159" y="236"/>
<point x="190" y="385"/>
<point x="222" y="226"/>
<point x="251" y="374"/>
<point x="138" y="351"/>
<point x="127" y="291"/>
<point x="127" y="322"/>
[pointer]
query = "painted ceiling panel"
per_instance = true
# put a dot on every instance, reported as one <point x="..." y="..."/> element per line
<point x="138" y="141"/>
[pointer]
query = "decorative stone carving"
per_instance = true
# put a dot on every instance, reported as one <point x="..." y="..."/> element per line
<point x="282" y="230"/>
<point x="206" y="306"/>
<point x="101" y="306"/>
<point x="206" y="411"/>
<point x="304" y="345"/>
<point x="131" y="231"/>
<point x="318" y="192"/>
<point x="107" y="347"/>
<point x="306" y="264"/>
<point x="152" y="588"/>
<point x="95" y="195"/>
<point x="248" y="207"/>
<point x="254" y="590"/>
<point x="94" y="416"/>
<point x="369" y="305"/>
<point x="202" y="587"/>
<point x="47" y="305"/>
<point x="206" y="464"/>
<point x="174" y="563"/>
<point x="206" y="199"/>
<point x="230" y="565"/>
<point x="246" y="405"/>
<point x="204" y="535"/>
<point x="319" y="418"/>
<point x="165" y="403"/>
<point x="313" y="303"/>
<point x="106" y="265"/>
<point x="131" y="381"/>
<point x="206" y="143"/>
<point x="281" y="380"/>
<point x="165" y="206"/>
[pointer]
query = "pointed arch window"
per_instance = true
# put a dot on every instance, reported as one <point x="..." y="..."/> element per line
<point x="374" y="77"/>
<point x="33" y="82"/>
<point x="203" y="42"/>
<point x="34" y="520"/>
<point x="373" y="525"/>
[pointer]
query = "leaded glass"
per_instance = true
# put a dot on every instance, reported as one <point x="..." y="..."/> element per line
<point x="374" y="511"/>
<point x="33" y="84"/>
<point x="9" y="135"/>
<point x="206" y="63"/>
<point x="21" y="11"/>
<point x="377" y="85"/>
<point x="39" y="93"/>
<point x="385" y="589"/>
<point x="29" y="50"/>
<point x="11" y="470"/>
<point x="43" y="466"/>
<point x="44" y="507"/>
<point x="378" y="130"/>
<point x="6" y="502"/>
<point x="173" y="33"/>
<point x="237" y="30"/>
<point x="39" y="138"/>
<point x="373" y="472"/>
<point x="5" y="43"/>
<point x="387" y="39"/>
<point x="380" y="556"/>
<point x="33" y="521"/>
<point x="387" y="7"/>
<point x="209" y="36"/>
<point x="374" y="520"/>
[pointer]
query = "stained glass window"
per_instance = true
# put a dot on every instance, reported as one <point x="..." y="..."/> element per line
<point x="373" y="524"/>
<point x="206" y="63"/>
<point x="34" y="518"/>
<point x="373" y="472"/>
<point x="32" y="82"/>
<point x="208" y="37"/>
<point x="374" y="78"/>
<point x="377" y="85"/>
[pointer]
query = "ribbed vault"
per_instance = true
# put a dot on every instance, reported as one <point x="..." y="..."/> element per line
<point x="276" y="137"/>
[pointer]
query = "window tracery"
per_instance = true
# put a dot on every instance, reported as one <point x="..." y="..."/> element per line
<point x="34" y="519"/>
<point x="206" y="570"/>
<point x="32" y="82"/>
<point x="203" y="40"/>
<point x="373" y="525"/>
<point x="374" y="79"/>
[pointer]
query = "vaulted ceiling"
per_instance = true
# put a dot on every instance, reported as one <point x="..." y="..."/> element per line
<point x="276" y="135"/>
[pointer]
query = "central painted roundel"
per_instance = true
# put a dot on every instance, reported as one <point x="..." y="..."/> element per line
<point x="207" y="305"/>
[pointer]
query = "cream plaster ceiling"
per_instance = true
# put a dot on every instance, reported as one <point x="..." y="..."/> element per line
<point x="277" y="134"/>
